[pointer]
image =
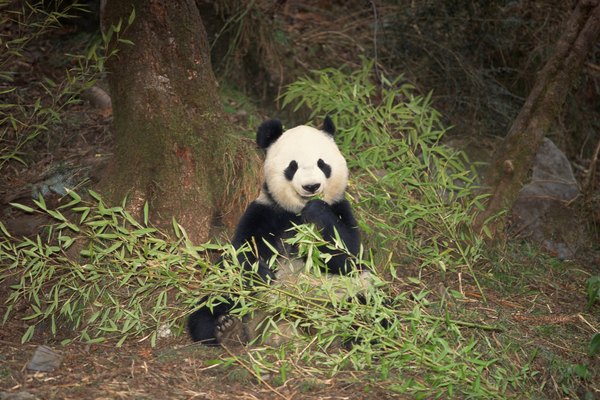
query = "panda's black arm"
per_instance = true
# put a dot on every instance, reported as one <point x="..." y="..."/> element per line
<point x="329" y="219"/>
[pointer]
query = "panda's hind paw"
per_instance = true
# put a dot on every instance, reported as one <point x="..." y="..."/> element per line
<point x="229" y="330"/>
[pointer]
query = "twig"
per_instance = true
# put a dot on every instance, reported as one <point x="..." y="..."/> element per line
<point x="588" y="324"/>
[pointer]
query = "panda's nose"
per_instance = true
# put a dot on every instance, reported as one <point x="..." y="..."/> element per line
<point x="311" y="188"/>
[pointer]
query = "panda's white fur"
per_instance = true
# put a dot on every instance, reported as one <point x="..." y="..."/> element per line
<point x="305" y="145"/>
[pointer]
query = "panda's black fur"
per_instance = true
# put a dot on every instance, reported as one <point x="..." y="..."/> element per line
<point x="301" y="163"/>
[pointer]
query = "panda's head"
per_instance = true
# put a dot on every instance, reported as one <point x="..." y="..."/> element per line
<point x="302" y="163"/>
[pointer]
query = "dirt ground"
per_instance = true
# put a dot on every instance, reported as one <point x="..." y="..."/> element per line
<point x="175" y="369"/>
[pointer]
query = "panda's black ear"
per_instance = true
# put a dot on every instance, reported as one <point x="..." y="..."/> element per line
<point x="328" y="126"/>
<point x="268" y="132"/>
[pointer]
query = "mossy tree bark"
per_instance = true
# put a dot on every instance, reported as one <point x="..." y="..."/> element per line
<point x="173" y="147"/>
<point x="514" y="158"/>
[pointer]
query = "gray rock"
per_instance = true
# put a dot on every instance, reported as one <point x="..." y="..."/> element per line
<point x="44" y="359"/>
<point x="542" y="211"/>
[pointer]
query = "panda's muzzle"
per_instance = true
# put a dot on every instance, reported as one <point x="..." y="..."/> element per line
<point x="311" y="189"/>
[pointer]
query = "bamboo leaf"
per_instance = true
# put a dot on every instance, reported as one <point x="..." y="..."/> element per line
<point x="22" y="207"/>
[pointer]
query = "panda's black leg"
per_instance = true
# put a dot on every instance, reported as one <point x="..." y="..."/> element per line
<point x="218" y="326"/>
<point x="203" y="322"/>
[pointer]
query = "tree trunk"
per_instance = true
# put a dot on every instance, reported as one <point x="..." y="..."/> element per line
<point x="514" y="158"/>
<point x="173" y="147"/>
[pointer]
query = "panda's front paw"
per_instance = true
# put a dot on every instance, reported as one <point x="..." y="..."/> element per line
<point x="316" y="211"/>
<point x="229" y="331"/>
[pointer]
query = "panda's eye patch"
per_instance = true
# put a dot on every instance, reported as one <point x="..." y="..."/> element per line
<point x="291" y="170"/>
<point x="323" y="166"/>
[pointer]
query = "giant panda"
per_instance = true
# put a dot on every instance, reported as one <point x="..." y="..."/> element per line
<point x="305" y="179"/>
